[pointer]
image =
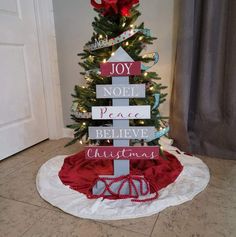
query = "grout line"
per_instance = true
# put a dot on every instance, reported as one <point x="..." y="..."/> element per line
<point x="16" y="170"/>
<point x="154" y="224"/>
<point x="30" y="162"/>
<point x="31" y="226"/>
<point x="117" y="227"/>
<point x="31" y="204"/>
<point x="57" y="210"/>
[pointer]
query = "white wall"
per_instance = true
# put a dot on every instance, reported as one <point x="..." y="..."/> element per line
<point x="73" y="20"/>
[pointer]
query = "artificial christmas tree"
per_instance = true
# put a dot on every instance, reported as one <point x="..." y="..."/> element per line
<point x="114" y="27"/>
<point x="119" y="41"/>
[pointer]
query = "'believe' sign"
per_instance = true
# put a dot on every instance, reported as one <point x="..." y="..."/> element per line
<point x="122" y="133"/>
<point x="112" y="69"/>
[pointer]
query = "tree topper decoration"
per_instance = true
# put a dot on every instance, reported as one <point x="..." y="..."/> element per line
<point x="109" y="7"/>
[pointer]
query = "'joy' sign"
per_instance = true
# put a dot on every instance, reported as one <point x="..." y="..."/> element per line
<point x="120" y="69"/>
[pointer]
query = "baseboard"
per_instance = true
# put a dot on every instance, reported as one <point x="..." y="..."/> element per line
<point x="67" y="132"/>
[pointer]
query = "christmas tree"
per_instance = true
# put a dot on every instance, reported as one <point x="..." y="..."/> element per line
<point x="115" y="19"/>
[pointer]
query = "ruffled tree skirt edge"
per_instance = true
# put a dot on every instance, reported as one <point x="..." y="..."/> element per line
<point x="192" y="180"/>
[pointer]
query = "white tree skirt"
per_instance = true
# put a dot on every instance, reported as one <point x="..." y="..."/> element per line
<point x="191" y="181"/>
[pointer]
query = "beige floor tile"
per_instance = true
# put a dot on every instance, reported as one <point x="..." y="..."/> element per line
<point x="141" y="225"/>
<point x="63" y="225"/>
<point x="20" y="185"/>
<point x="16" y="217"/>
<point x="15" y="162"/>
<point x="223" y="173"/>
<point x="45" y="151"/>
<point x="211" y="214"/>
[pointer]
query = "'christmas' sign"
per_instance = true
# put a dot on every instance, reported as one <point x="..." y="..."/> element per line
<point x="121" y="112"/>
<point x="112" y="69"/>
<point x="122" y="153"/>
<point x="120" y="91"/>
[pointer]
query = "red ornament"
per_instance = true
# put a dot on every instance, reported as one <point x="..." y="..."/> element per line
<point x="109" y="7"/>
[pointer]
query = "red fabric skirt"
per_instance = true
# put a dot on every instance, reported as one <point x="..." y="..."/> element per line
<point x="80" y="173"/>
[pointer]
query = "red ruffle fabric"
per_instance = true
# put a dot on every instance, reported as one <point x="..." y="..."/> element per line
<point x="80" y="174"/>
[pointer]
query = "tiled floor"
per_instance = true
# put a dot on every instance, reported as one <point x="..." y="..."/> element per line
<point x="23" y="213"/>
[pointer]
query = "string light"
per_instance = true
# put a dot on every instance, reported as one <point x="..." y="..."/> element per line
<point x="104" y="60"/>
<point x="84" y="111"/>
<point x="141" y="122"/>
<point x="81" y="142"/>
<point x="127" y="43"/>
<point x="123" y="24"/>
<point x="140" y="38"/>
<point x="112" y="54"/>
<point x="100" y="36"/>
<point x="83" y="87"/>
<point x="145" y="74"/>
<point x="132" y="26"/>
<point x="84" y="123"/>
<point x="151" y="88"/>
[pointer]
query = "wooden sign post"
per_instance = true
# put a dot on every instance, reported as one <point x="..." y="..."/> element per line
<point x="120" y="66"/>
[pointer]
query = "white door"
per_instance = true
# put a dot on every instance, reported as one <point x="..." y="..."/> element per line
<point x="22" y="104"/>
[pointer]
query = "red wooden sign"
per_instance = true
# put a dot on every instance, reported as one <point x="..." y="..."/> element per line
<point x="113" y="69"/>
<point x="122" y="153"/>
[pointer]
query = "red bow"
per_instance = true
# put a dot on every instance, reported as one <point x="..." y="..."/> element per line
<point x="115" y="6"/>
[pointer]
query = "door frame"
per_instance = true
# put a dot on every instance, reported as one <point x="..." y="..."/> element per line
<point x="49" y="65"/>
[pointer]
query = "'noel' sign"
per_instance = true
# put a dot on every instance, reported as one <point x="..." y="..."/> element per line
<point x="120" y="91"/>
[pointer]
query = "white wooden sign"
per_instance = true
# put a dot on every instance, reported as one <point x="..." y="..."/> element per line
<point x="121" y="91"/>
<point x="121" y="112"/>
<point x="122" y="133"/>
